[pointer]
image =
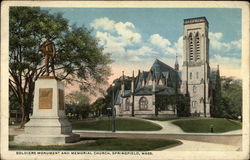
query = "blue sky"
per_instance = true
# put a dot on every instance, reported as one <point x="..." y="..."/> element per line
<point x="136" y="36"/>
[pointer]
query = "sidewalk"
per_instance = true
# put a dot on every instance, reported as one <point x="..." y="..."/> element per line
<point x="167" y="128"/>
<point x="202" y="146"/>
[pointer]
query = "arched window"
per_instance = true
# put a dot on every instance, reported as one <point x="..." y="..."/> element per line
<point x="127" y="104"/>
<point x="190" y="75"/>
<point x="191" y="47"/>
<point x="143" y="103"/>
<point x="194" y="104"/>
<point x="194" y="89"/>
<point x="197" y="47"/>
<point x="201" y="100"/>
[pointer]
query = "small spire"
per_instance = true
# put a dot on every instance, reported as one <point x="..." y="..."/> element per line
<point x="123" y="84"/>
<point x="218" y="67"/>
<point x="133" y="74"/>
<point x="122" y="76"/>
<point x="176" y="65"/>
<point x="132" y="83"/>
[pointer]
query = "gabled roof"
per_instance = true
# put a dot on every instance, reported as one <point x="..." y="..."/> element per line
<point x="162" y="66"/>
<point x="161" y="69"/>
<point x="127" y="93"/>
<point x="159" y="90"/>
<point x="167" y="91"/>
<point x="117" y="98"/>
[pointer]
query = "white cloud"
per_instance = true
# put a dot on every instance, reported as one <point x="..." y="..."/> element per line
<point x="217" y="43"/>
<point x="228" y="62"/>
<point x="179" y="46"/>
<point x="216" y="36"/>
<point x="103" y="23"/>
<point x="125" y="30"/>
<point x="115" y="36"/>
<point x="166" y="46"/>
<point x="228" y="66"/>
<point x="144" y="50"/>
<point x="159" y="41"/>
<point x="135" y="58"/>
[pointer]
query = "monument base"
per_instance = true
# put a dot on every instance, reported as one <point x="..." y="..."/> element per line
<point x="47" y="131"/>
<point x="31" y="140"/>
<point x="48" y="125"/>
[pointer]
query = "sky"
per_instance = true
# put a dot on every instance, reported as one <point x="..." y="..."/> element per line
<point x="135" y="37"/>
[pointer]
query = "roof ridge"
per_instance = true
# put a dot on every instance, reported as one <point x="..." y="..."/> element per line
<point x="162" y="63"/>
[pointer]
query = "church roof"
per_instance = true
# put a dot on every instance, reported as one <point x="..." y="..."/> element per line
<point x="127" y="93"/>
<point x="162" y="66"/>
<point x="117" y="98"/>
<point x="145" y="74"/>
<point x="159" y="90"/>
<point x="167" y="91"/>
<point x="161" y="69"/>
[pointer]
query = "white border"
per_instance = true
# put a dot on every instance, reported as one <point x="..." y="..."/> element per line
<point x="128" y="4"/>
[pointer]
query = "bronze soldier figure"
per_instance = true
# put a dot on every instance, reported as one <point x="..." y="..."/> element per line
<point x="49" y="53"/>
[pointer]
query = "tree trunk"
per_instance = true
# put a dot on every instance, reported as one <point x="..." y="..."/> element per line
<point x="25" y="107"/>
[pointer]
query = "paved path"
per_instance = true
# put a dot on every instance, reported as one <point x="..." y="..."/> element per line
<point x="167" y="127"/>
<point x="202" y="146"/>
<point x="228" y="141"/>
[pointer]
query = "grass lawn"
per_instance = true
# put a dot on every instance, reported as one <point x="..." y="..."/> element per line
<point x="165" y="118"/>
<point x="198" y="125"/>
<point x="122" y="124"/>
<point x="11" y="138"/>
<point x="109" y="145"/>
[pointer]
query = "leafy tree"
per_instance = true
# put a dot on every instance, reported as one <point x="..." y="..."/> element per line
<point x="183" y="105"/>
<point x="217" y="106"/>
<point x="101" y="104"/>
<point x="117" y="88"/>
<point x="227" y="98"/>
<point x="79" y="57"/>
<point x="77" y="104"/>
<point x="99" y="107"/>
<point x="231" y="98"/>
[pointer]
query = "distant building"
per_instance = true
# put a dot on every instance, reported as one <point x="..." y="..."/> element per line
<point x="154" y="93"/>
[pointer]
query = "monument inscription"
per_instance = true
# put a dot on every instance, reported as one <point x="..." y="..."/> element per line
<point x="45" y="98"/>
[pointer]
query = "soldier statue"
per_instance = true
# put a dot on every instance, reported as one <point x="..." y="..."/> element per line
<point x="49" y="53"/>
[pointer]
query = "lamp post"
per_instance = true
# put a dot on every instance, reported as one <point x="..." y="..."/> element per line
<point x="109" y="109"/>
<point x="113" y="107"/>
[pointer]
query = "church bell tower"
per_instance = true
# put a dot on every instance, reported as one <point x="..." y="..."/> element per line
<point x="195" y="69"/>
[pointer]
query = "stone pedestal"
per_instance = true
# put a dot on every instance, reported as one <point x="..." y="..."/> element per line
<point x="48" y="125"/>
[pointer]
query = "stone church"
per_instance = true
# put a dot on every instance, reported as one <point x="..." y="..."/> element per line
<point x="153" y="92"/>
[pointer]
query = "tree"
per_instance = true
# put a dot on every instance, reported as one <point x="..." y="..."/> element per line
<point x="217" y="106"/>
<point x="231" y="93"/>
<point x="227" y="98"/>
<point x="79" y="57"/>
<point x="77" y="104"/>
<point x="183" y="105"/>
<point x="99" y="106"/>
